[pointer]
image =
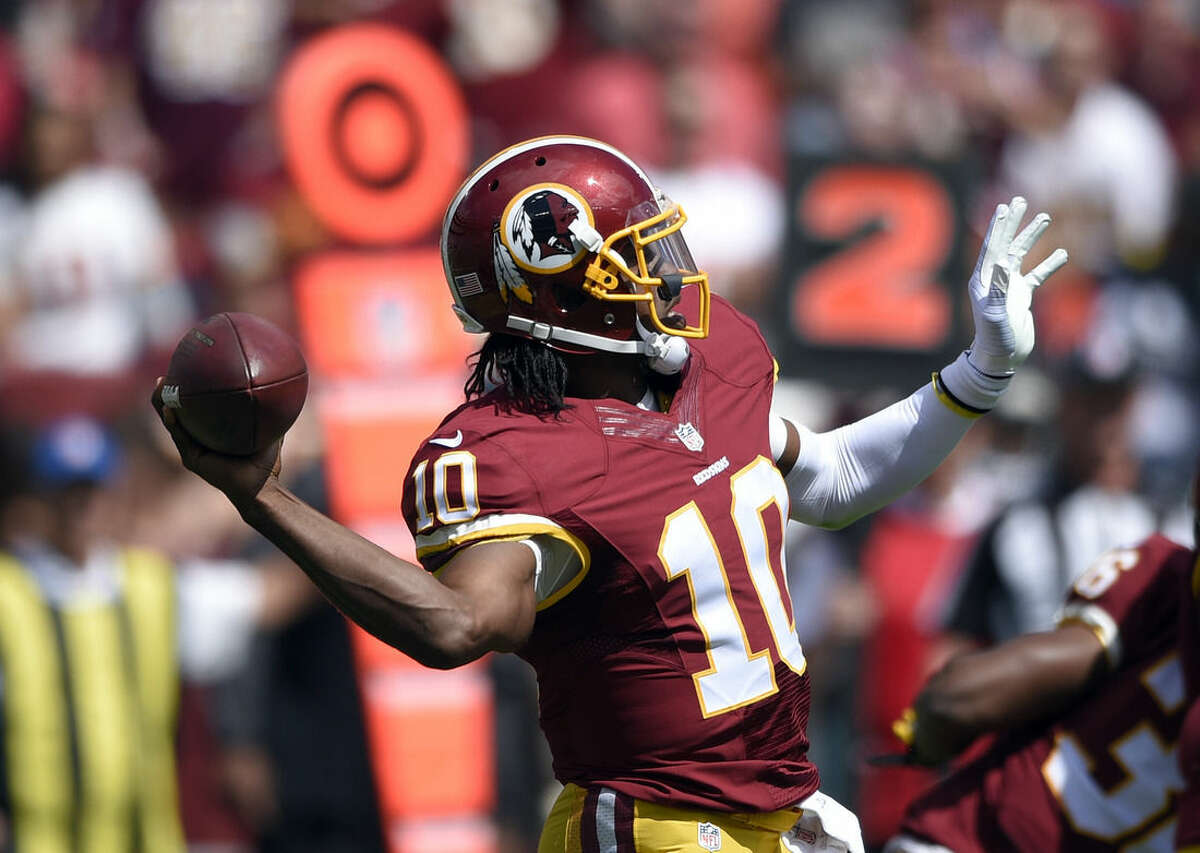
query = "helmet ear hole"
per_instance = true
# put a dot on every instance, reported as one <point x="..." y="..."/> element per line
<point x="568" y="298"/>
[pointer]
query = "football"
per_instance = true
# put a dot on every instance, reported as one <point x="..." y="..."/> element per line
<point x="236" y="383"/>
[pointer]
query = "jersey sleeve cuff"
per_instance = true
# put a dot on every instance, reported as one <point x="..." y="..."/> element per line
<point x="1100" y="623"/>
<point x="510" y="527"/>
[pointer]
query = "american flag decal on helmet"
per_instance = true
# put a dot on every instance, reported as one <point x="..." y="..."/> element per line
<point x="468" y="285"/>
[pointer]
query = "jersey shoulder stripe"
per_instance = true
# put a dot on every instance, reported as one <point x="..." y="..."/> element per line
<point x="502" y="526"/>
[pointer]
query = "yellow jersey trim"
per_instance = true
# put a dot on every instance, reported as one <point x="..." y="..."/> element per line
<point x="1083" y="623"/>
<point x="1097" y="620"/>
<point x="480" y="531"/>
<point x="905" y="727"/>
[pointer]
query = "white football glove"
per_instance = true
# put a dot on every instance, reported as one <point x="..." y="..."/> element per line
<point x="824" y="826"/>
<point x="1000" y="296"/>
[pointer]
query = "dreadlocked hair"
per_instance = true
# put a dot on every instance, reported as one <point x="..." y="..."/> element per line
<point x="534" y="375"/>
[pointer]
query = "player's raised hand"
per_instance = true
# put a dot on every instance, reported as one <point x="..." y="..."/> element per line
<point x="239" y="477"/>
<point x="1001" y="293"/>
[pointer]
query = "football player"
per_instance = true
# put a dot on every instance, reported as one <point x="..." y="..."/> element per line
<point x="1087" y="718"/>
<point x="610" y="502"/>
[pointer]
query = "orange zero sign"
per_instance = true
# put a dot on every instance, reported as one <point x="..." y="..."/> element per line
<point x="374" y="130"/>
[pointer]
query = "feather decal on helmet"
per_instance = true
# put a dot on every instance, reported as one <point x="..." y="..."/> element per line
<point x="508" y="277"/>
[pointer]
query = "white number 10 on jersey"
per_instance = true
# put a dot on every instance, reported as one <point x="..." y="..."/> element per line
<point x="736" y="676"/>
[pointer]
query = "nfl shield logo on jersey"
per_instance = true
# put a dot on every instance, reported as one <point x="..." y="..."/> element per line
<point x="708" y="835"/>
<point x="690" y="436"/>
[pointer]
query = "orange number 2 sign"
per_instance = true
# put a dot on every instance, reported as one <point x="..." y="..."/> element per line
<point x="882" y="291"/>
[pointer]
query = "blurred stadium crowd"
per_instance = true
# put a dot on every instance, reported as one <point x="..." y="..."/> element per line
<point x="142" y="187"/>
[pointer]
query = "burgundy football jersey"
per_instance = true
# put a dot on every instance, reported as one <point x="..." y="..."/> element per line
<point x="1104" y="775"/>
<point x="669" y="668"/>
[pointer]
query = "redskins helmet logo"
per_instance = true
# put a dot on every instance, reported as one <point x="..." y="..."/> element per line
<point x="536" y="224"/>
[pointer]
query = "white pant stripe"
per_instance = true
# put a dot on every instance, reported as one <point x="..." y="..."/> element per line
<point x="606" y="821"/>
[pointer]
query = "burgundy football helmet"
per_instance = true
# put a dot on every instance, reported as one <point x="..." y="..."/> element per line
<point x="559" y="239"/>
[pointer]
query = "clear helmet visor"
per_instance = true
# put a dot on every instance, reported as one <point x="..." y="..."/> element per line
<point x="662" y="245"/>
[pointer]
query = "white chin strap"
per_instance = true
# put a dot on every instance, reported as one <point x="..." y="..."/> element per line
<point x="665" y="353"/>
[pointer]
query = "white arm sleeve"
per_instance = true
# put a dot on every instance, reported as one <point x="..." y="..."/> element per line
<point x="854" y="470"/>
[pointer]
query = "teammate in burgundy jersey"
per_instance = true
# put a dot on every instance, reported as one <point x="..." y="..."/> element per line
<point x="611" y="500"/>
<point x="1089" y="716"/>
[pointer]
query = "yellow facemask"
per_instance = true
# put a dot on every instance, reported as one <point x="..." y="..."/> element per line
<point x="663" y="266"/>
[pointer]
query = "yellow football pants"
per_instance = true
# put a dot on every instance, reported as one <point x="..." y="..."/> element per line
<point x="601" y="820"/>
